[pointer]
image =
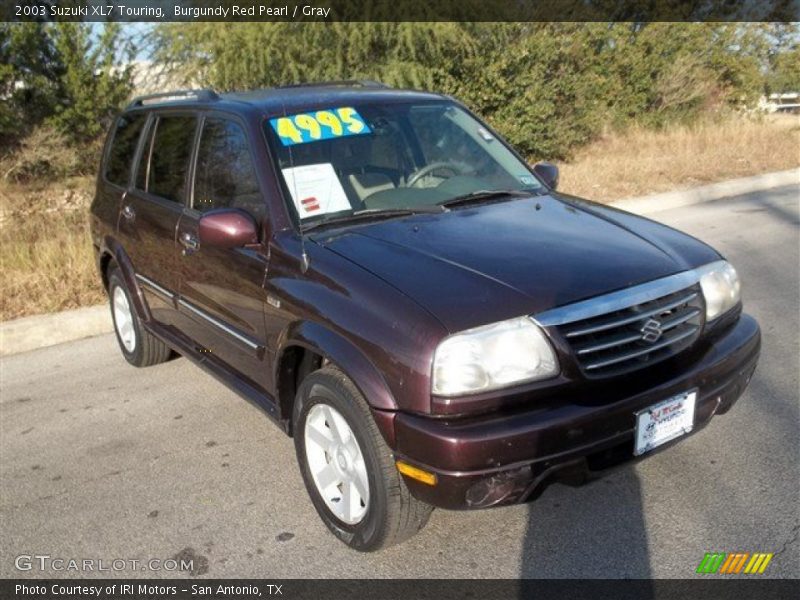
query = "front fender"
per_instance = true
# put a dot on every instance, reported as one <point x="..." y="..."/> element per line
<point x="340" y="351"/>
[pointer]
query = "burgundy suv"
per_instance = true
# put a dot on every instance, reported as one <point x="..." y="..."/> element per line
<point x="400" y="292"/>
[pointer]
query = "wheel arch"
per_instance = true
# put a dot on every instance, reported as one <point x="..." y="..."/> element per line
<point x="306" y="346"/>
<point x="113" y="254"/>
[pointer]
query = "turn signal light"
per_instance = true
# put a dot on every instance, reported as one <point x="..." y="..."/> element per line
<point x="416" y="473"/>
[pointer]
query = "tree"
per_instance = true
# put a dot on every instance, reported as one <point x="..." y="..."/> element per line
<point x="784" y="58"/>
<point x="663" y="72"/>
<point x="58" y="74"/>
<point x="549" y="87"/>
<point x="29" y="71"/>
<point x="230" y="56"/>
<point x="785" y="76"/>
<point x="92" y="86"/>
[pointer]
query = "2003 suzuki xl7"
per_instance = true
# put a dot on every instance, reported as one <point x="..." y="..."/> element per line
<point x="424" y="313"/>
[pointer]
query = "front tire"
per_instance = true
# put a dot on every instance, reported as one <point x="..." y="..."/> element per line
<point x="139" y="347"/>
<point x="348" y="469"/>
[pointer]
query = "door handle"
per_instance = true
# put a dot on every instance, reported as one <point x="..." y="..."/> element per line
<point x="190" y="243"/>
<point x="128" y="212"/>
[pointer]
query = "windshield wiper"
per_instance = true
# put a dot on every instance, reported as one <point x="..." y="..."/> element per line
<point x="375" y="213"/>
<point x="482" y="195"/>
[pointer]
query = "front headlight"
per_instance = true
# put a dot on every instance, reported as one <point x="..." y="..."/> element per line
<point x="491" y="357"/>
<point x="721" y="288"/>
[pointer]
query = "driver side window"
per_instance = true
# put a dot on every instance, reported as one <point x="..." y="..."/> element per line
<point x="225" y="176"/>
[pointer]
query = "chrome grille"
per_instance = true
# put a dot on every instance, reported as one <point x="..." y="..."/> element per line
<point x="626" y="338"/>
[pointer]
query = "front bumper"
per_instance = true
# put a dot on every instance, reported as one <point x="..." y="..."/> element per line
<point x="507" y="458"/>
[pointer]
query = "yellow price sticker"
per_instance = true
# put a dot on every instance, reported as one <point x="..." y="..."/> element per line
<point x="319" y="125"/>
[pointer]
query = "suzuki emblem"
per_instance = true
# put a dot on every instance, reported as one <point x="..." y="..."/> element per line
<point x="651" y="331"/>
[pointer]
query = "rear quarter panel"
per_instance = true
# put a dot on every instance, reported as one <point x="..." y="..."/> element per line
<point x="105" y="207"/>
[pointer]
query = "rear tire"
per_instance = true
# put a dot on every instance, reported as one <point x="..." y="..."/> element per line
<point x="351" y="450"/>
<point x="139" y="347"/>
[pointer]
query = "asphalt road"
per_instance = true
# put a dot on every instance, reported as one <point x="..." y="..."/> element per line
<point x="103" y="461"/>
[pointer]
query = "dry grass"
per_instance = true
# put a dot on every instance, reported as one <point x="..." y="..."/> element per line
<point x="46" y="254"/>
<point x="45" y="250"/>
<point x="639" y="161"/>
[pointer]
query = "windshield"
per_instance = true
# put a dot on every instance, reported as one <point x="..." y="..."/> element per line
<point x="343" y="160"/>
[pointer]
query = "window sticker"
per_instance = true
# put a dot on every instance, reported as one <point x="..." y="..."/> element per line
<point x="484" y="133"/>
<point x="527" y="180"/>
<point x="319" y="125"/>
<point x="315" y="189"/>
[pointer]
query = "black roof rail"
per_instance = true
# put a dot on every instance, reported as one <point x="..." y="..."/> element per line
<point x="369" y="83"/>
<point x="200" y="94"/>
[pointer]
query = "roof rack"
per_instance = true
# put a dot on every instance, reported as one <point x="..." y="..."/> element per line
<point x="201" y="95"/>
<point x="343" y="82"/>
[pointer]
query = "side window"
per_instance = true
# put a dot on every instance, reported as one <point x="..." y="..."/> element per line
<point x="169" y="159"/>
<point x="123" y="147"/>
<point x="144" y="159"/>
<point x="224" y="176"/>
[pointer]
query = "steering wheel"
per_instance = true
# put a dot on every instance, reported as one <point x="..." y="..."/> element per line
<point x="434" y="166"/>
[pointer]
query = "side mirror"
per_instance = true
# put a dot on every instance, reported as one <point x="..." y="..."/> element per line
<point x="548" y="173"/>
<point x="227" y="228"/>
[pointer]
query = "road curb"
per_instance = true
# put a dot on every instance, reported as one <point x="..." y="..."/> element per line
<point x="40" y="331"/>
<point x="655" y="203"/>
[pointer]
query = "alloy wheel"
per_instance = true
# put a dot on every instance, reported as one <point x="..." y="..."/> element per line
<point x="336" y="463"/>
<point x="123" y="319"/>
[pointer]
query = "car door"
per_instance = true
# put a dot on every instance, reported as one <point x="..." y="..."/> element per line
<point x="221" y="300"/>
<point x="119" y="161"/>
<point x="152" y="208"/>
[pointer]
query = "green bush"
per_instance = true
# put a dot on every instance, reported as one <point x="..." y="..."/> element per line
<point x="46" y="154"/>
<point x="549" y="87"/>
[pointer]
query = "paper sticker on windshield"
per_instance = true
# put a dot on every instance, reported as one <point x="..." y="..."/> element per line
<point x="319" y="125"/>
<point x="527" y="180"/>
<point x="315" y="189"/>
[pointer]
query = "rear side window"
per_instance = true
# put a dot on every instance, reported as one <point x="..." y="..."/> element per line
<point x="169" y="159"/>
<point x="123" y="147"/>
<point x="225" y="177"/>
<point x="140" y="182"/>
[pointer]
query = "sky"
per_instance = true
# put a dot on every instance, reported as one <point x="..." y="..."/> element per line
<point x="136" y="31"/>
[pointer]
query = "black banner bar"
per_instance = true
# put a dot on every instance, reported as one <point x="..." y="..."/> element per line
<point x="745" y="587"/>
<point x="400" y="10"/>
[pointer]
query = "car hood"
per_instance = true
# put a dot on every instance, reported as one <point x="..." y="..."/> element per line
<point x="479" y="264"/>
